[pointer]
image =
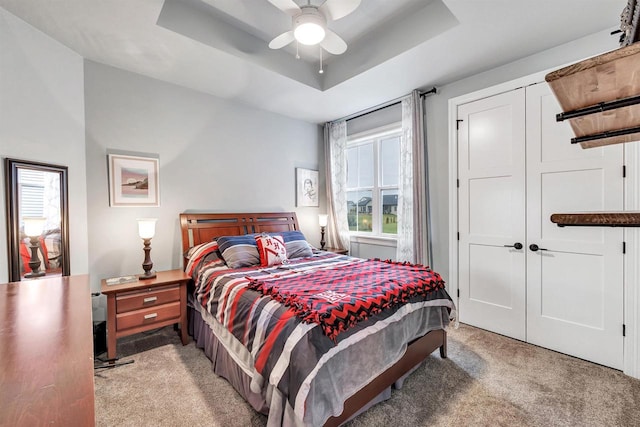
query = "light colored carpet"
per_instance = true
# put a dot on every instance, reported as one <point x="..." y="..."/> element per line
<point x="488" y="380"/>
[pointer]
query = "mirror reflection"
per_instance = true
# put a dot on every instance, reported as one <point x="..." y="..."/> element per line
<point x="38" y="230"/>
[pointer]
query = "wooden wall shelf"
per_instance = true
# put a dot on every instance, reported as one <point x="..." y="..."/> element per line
<point x="611" y="76"/>
<point x="597" y="219"/>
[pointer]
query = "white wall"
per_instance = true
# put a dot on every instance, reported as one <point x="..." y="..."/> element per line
<point x="215" y="155"/>
<point x="437" y="123"/>
<point x="42" y="119"/>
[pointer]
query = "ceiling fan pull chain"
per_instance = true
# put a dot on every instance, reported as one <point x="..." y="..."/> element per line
<point x="321" y="70"/>
<point x="297" y="54"/>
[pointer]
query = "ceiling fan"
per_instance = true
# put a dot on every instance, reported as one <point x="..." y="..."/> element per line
<point x="310" y="24"/>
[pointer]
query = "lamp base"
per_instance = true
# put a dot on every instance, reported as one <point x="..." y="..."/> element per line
<point x="147" y="265"/>
<point x="322" y="242"/>
<point x="34" y="262"/>
<point x="147" y="275"/>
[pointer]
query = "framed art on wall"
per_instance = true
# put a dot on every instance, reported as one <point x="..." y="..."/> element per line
<point x="133" y="181"/>
<point x="306" y="187"/>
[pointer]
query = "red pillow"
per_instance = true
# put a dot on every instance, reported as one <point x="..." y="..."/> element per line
<point x="271" y="249"/>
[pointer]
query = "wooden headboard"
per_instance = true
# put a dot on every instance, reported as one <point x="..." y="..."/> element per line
<point x="203" y="227"/>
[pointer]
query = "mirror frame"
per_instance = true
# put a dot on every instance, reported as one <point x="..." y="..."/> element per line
<point x="11" y="167"/>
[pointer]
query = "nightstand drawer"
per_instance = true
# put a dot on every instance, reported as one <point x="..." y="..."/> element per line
<point x="138" y="300"/>
<point x="148" y="316"/>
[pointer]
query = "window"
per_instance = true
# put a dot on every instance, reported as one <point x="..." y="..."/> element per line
<point x="39" y="196"/>
<point x="373" y="168"/>
<point x="31" y="192"/>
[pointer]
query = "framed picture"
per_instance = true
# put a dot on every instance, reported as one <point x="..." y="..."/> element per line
<point x="133" y="181"/>
<point x="306" y="187"/>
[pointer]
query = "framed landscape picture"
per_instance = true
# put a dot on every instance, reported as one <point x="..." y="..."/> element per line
<point x="133" y="181"/>
<point x="306" y="187"/>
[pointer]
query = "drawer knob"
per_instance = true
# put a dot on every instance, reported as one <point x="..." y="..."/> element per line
<point x="150" y="316"/>
<point x="150" y="299"/>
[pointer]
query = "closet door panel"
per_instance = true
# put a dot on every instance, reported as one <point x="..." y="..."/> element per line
<point x="567" y="275"/>
<point x="569" y="191"/>
<point x="574" y="285"/>
<point x="491" y="213"/>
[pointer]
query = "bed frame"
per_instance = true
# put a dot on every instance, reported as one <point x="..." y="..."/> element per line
<point x="203" y="227"/>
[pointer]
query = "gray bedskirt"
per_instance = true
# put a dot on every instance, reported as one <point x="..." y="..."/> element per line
<point x="224" y="365"/>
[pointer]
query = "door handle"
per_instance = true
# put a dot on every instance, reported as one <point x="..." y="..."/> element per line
<point x="536" y="248"/>
<point x="516" y="245"/>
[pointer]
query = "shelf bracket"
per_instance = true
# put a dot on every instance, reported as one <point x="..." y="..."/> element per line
<point x="598" y="108"/>
<point x="606" y="134"/>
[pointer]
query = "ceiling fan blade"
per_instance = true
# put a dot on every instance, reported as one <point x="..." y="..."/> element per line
<point x="282" y="40"/>
<point x="336" y="9"/>
<point x="333" y="44"/>
<point x="288" y="6"/>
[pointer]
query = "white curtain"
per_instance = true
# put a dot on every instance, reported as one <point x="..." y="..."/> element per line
<point x="412" y="191"/>
<point x="335" y="149"/>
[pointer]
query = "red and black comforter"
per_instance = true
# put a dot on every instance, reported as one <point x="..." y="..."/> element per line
<point x="338" y="298"/>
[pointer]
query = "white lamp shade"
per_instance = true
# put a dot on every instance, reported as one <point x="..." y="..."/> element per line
<point x="323" y="219"/>
<point x="147" y="227"/>
<point x="33" y="226"/>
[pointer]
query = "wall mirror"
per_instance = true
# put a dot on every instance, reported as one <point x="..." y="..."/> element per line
<point x="37" y="220"/>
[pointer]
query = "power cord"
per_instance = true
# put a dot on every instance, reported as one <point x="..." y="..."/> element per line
<point x="111" y="363"/>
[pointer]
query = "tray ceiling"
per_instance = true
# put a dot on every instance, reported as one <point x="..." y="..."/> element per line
<point x="220" y="46"/>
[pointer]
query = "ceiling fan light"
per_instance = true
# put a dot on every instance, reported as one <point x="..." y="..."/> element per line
<point x="309" y="33"/>
<point x="309" y="26"/>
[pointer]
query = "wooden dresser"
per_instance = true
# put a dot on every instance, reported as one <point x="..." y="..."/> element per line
<point x="46" y="353"/>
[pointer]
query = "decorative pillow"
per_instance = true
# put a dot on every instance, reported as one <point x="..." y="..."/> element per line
<point x="201" y="249"/>
<point x="200" y="254"/>
<point x="296" y="244"/>
<point x="271" y="249"/>
<point x="239" y="251"/>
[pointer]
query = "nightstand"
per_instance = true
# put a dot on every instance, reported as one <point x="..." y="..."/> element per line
<point x="146" y="304"/>
<point x="337" y="251"/>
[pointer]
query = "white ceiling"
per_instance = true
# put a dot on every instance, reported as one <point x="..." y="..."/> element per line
<point x="220" y="46"/>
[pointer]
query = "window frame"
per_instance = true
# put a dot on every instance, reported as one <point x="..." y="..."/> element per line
<point x="375" y="136"/>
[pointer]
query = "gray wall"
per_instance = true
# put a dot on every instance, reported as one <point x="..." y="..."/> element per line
<point x="211" y="150"/>
<point x="215" y="155"/>
<point x="437" y="122"/>
<point x="42" y="119"/>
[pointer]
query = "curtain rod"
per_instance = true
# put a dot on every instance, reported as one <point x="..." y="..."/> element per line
<point x="385" y="105"/>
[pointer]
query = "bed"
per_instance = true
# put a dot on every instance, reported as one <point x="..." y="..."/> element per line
<point x="326" y="377"/>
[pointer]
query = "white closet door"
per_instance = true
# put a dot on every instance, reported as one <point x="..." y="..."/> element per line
<point x="575" y="285"/>
<point x="491" y="204"/>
